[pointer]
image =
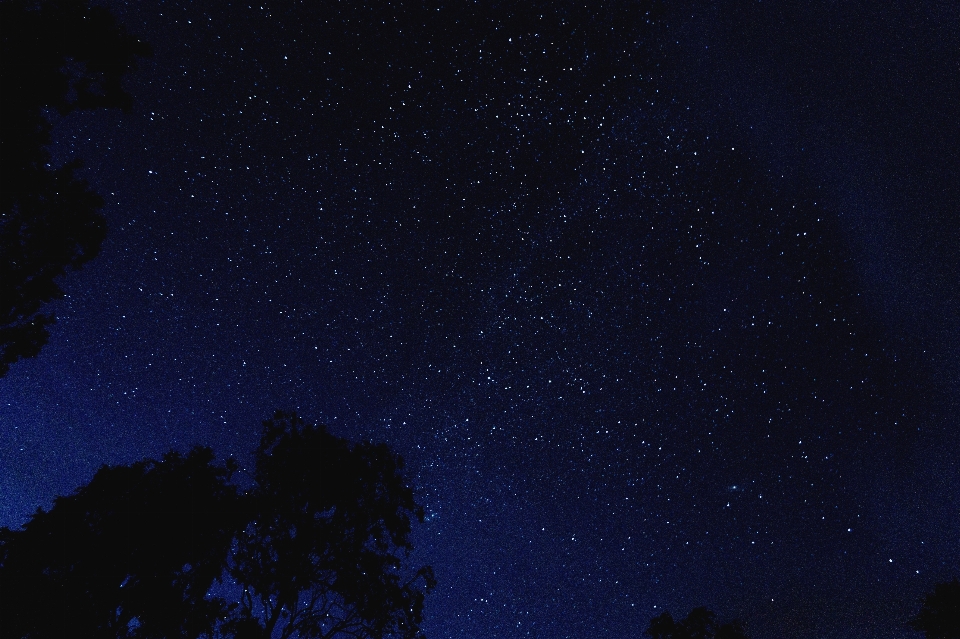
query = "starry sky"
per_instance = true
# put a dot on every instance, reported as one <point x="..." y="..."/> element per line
<point x="659" y="301"/>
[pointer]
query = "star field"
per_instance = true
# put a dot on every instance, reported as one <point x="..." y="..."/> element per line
<point x="646" y="328"/>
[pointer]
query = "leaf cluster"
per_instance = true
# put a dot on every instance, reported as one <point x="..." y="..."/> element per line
<point x="315" y="547"/>
<point x="701" y="623"/>
<point x="57" y="56"/>
<point x="323" y="550"/>
<point x="939" y="617"/>
<point x="131" y="554"/>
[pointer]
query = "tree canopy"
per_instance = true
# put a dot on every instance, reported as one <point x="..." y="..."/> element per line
<point x="939" y="618"/>
<point x="131" y="554"/>
<point x="314" y="544"/>
<point x="327" y="526"/>
<point x="701" y="623"/>
<point x="57" y="56"/>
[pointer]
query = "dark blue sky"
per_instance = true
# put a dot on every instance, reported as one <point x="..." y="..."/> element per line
<point x="659" y="304"/>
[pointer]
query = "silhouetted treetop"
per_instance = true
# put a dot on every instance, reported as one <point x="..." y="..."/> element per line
<point x="335" y="519"/>
<point x="701" y="623"/>
<point x="57" y="56"/>
<point x="316" y="546"/>
<point x="131" y="554"/>
<point x="939" y="618"/>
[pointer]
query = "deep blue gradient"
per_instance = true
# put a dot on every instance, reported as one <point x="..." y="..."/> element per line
<point x="660" y="305"/>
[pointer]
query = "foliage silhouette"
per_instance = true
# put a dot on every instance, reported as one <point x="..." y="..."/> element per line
<point x="314" y="546"/>
<point x="131" y="554"/>
<point x="57" y="56"/>
<point x="320" y="556"/>
<point x="701" y="623"/>
<point x="939" y="618"/>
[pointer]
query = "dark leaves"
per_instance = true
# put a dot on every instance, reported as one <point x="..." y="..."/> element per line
<point x="701" y="623"/>
<point x="330" y="524"/>
<point x="939" y="618"/>
<point x="57" y="57"/>
<point x="131" y="554"/>
<point x="316" y="547"/>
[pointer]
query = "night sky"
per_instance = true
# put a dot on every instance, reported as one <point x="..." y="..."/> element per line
<point x="661" y="304"/>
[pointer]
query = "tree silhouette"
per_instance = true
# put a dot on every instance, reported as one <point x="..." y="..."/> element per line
<point x="313" y="546"/>
<point x="320" y="556"/>
<point x="57" y="56"/>
<point x="939" y="618"/>
<point x="131" y="554"/>
<point x="701" y="623"/>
